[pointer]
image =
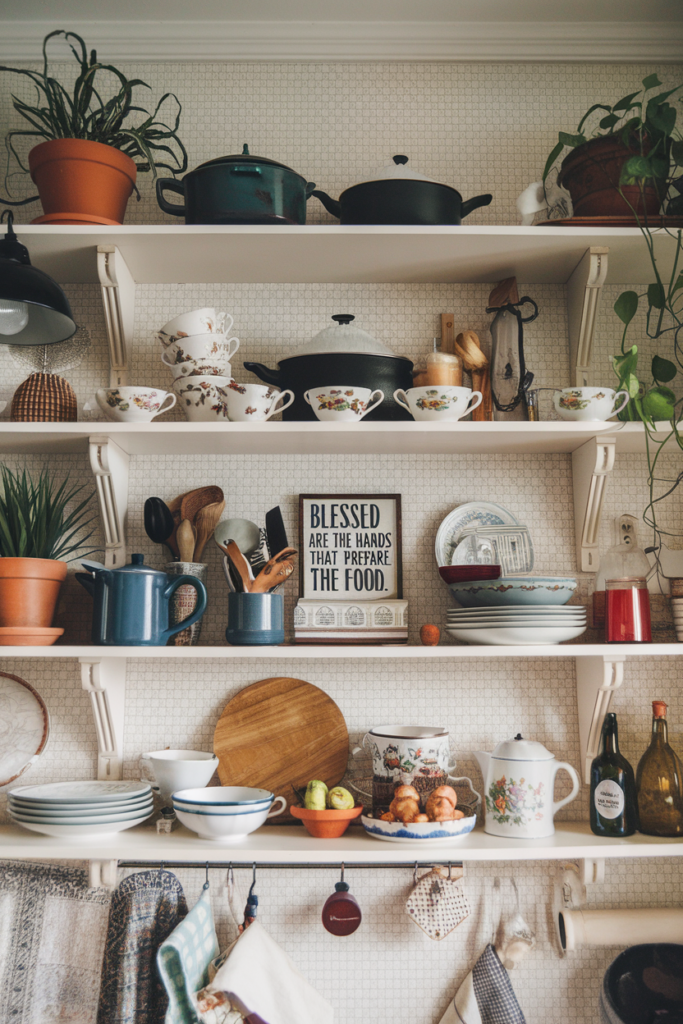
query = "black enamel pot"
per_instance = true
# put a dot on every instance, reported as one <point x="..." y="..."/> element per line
<point x="239" y="189"/>
<point x="300" y="373"/>
<point x="401" y="198"/>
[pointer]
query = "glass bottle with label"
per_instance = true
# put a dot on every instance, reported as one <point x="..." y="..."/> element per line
<point x="659" y="782"/>
<point x="613" y="809"/>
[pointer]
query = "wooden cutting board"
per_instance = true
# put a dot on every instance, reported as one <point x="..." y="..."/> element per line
<point x="280" y="733"/>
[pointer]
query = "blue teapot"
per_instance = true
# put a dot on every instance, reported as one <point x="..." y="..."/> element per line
<point x="132" y="604"/>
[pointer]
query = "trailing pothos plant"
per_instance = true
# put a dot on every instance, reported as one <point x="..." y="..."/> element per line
<point x="85" y="113"/>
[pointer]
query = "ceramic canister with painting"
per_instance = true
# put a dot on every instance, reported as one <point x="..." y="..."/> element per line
<point x="416" y="756"/>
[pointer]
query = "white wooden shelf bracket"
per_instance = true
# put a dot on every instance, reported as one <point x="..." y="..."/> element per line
<point x="103" y="874"/>
<point x="105" y="680"/>
<point x="591" y="465"/>
<point x="118" y="299"/>
<point x="583" y="294"/>
<point x="596" y="680"/>
<point x="109" y="464"/>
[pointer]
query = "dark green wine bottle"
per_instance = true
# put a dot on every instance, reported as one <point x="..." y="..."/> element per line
<point x="613" y="806"/>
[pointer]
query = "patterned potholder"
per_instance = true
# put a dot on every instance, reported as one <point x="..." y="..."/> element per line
<point x="437" y="903"/>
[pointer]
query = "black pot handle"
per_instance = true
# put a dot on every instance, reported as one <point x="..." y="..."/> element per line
<point x="473" y="204"/>
<point x="268" y="376"/>
<point x="173" y="185"/>
<point x="310" y="185"/>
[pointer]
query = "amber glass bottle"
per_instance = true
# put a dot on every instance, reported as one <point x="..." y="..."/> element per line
<point x="613" y="786"/>
<point x="659" y="781"/>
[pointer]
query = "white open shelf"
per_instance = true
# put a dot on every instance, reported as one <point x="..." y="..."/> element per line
<point x="305" y="438"/>
<point x="332" y="253"/>
<point x="297" y="651"/>
<point x="292" y="844"/>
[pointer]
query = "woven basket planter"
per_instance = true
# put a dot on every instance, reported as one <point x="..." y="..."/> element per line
<point x="44" y="398"/>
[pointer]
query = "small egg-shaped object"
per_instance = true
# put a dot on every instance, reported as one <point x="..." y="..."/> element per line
<point x="430" y="635"/>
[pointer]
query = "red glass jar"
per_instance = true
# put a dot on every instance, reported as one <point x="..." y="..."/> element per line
<point x="627" y="611"/>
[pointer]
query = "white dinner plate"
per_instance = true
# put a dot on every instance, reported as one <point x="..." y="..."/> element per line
<point x="59" y="809"/>
<point x="97" y="819"/>
<point x="68" y="816"/>
<point x="90" y="791"/>
<point x="81" y="831"/>
<point x="500" y="613"/>
<point x="543" y="624"/>
<point x="24" y="728"/>
<point x="516" y="635"/>
<point x="471" y="513"/>
<point x="520" y="609"/>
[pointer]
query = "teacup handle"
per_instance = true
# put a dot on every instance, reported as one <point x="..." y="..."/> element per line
<point x="275" y="408"/>
<point x="473" y="403"/>
<point x="306" y="398"/>
<point x="173" y="398"/>
<point x="231" y="351"/>
<point x="146" y="778"/>
<point x="623" y="405"/>
<point x="223" y="327"/>
<point x="401" y="399"/>
<point x="373" y="402"/>
<point x="165" y="360"/>
<point x="278" y="806"/>
<point x="464" y="778"/>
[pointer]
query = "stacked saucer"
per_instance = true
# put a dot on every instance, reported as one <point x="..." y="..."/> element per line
<point x="74" y="809"/>
<point x="517" y="624"/>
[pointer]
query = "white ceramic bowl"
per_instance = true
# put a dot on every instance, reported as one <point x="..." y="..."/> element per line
<point x="516" y="636"/>
<point x="229" y="827"/>
<point x="510" y="590"/>
<point x="431" y="832"/>
<point x="215" y="797"/>
<point x="197" y="321"/>
<point x="82" y="831"/>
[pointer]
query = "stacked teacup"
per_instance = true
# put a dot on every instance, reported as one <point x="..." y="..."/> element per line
<point x="197" y="351"/>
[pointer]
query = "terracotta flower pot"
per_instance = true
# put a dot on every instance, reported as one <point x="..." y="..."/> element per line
<point x="29" y="588"/>
<point x="591" y="173"/>
<point x="81" y="178"/>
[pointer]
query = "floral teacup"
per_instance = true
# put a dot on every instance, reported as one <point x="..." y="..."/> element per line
<point x="343" y="404"/>
<point x="442" y="402"/>
<point x="251" y="403"/>
<point x="198" y="321"/>
<point x="133" y="405"/>
<point x="200" y="348"/>
<point x="588" y="403"/>
<point x="203" y="398"/>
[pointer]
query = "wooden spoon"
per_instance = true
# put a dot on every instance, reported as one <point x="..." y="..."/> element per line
<point x="194" y="500"/>
<point x="287" y="554"/>
<point x="468" y="347"/>
<point x="240" y="563"/>
<point x="206" y="522"/>
<point x="185" y="538"/>
<point x="262" y="584"/>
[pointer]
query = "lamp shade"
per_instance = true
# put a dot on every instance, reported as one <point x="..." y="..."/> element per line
<point x="49" y="314"/>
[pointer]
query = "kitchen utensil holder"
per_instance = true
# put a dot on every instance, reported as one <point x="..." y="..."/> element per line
<point x="255" y="619"/>
<point x="184" y="602"/>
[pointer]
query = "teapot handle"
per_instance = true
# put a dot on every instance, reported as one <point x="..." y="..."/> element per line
<point x="575" y="787"/>
<point x="196" y="614"/>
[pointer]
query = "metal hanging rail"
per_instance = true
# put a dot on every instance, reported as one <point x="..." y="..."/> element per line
<point x="251" y="865"/>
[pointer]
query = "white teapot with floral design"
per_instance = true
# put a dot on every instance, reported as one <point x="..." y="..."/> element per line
<point x="519" y="784"/>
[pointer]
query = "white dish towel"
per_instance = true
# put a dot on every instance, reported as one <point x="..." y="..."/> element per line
<point x="265" y="980"/>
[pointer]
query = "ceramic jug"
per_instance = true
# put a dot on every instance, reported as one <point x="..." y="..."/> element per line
<point x="519" y="784"/>
<point x="132" y="604"/>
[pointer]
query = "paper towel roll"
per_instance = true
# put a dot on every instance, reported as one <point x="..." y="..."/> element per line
<point x="619" y="927"/>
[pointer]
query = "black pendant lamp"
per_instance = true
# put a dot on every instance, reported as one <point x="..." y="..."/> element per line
<point x="33" y="308"/>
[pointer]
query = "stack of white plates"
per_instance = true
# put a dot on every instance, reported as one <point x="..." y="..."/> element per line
<point x="517" y="624"/>
<point x="73" y="809"/>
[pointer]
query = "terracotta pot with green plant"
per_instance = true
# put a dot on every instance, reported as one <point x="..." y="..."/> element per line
<point x="41" y="529"/>
<point x="621" y="169"/>
<point x="87" y="165"/>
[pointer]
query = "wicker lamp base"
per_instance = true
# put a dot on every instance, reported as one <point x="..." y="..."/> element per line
<point x="44" y="398"/>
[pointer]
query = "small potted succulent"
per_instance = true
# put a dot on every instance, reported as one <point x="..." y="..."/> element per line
<point x="86" y="167"/>
<point x="621" y="168"/>
<point x="41" y="529"/>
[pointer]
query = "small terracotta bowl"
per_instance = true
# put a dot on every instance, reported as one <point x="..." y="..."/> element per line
<point x="326" y="824"/>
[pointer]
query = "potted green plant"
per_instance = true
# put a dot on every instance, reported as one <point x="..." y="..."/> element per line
<point x="86" y="168"/>
<point x="620" y="167"/>
<point x="40" y="531"/>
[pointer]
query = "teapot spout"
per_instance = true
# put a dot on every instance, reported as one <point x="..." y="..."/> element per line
<point x="484" y="760"/>
<point x="332" y="206"/>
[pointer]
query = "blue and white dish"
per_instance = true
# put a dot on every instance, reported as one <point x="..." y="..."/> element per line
<point x="471" y="513"/>
<point x="62" y="831"/>
<point x="432" y="832"/>
<point x="90" y="791"/>
<point x="97" y="819"/>
<point x="228" y="822"/>
<point x="77" y="812"/>
<point x="511" y="590"/>
<point x="223" y="796"/>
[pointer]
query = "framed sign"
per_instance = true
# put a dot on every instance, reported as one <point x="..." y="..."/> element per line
<point x="350" y="547"/>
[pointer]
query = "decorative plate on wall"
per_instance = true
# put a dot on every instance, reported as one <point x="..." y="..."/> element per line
<point x="472" y="513"/>
<point x="24" y="727"/>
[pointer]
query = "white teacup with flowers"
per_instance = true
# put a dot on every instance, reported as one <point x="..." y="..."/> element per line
<point x="343" y="404"/>
<point x="588" y="403"/>
<point x="133" y="404"/>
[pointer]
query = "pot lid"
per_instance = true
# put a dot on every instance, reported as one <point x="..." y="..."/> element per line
<point x="519" y="749"/>
<point x="344" y="337"/>
<point x="245" y="157"/>
<point x="399" y="169"/>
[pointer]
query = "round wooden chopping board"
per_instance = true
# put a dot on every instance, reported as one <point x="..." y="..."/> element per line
<point x="279" y="734"/>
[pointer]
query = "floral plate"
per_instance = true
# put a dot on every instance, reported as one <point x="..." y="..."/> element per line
<point x="431" y="832"/>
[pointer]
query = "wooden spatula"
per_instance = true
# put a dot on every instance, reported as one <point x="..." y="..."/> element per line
<point x="240" y="563"/>
<point x="269" y="569"/>
<point x="263" y="584"/>
<point x="205" y="523"/>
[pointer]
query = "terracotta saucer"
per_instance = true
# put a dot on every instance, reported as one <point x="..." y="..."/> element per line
<point x="73" y="218"/>
<point x="611" y="222"/>
<point x="28" y="636"/>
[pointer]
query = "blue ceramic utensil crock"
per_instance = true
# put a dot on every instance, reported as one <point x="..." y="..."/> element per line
<point x="132" y="604"/>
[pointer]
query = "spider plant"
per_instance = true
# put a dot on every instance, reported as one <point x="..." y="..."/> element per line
<point x="34" y="520"/>
<point x="86" y="114"/>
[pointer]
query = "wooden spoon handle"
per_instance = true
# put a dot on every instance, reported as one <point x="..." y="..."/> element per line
<point x="185" y="538"/>
<point x="240" y="563"/>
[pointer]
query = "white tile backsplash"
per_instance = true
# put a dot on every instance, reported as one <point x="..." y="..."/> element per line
<point x="481" y="128"/>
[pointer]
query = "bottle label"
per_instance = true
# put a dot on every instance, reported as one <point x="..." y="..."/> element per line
<point x="609" y="799"/>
